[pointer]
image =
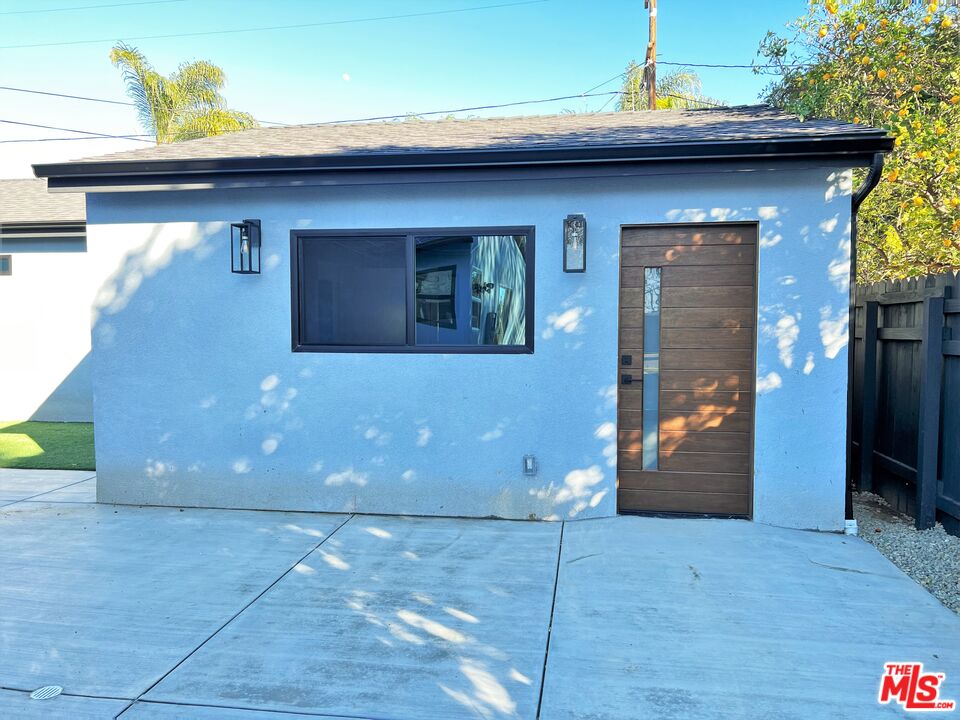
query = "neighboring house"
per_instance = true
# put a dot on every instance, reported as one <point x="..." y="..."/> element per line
<point x="414" y="345"/>
<point x="47" y="284"/>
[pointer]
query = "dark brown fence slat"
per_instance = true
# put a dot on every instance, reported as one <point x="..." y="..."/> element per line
<point x="912" y="381"/>
<point x="931" y="376"/>
<point x="901" y="333"/>
<point x="868" y="395"/>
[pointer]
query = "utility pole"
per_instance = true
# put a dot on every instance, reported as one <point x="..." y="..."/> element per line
<point x="650" y="66"/>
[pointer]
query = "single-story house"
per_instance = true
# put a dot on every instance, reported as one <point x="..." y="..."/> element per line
<point x="48" y="281"/>
<point x="538" y="317"/>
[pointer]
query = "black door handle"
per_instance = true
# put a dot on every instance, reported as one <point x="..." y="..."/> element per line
<point x="626" y="379"/>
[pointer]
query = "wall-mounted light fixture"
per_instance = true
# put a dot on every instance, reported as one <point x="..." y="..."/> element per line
<point x="245" y="247"/>
<point x="575" y="244"/>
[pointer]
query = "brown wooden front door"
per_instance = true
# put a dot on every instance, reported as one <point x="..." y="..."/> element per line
<point x="685" y="409"/>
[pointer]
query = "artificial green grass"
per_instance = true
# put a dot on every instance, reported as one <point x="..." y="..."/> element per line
<point x="46" y="445"/>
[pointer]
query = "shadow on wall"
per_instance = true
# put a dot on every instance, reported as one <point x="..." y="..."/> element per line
<point x="72" y="399"/>
<point x="239" y="410"/>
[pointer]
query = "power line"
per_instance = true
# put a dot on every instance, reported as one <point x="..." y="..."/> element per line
<point x="610" y="94"/>
<point x="72" y="130"/>
<point x="278" y="27"/>
<point x="64" y="95"/>
<point x="595" y="87"/>
<point x="329" y="122"/>
<point x="65" y="139"/>
<point x="721" y="66"/>
<point x="99" y="100"/>
<point x="88" y="7"/>
<point x="466" y="109"/>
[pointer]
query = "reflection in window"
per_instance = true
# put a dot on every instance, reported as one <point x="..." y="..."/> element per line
<point x="436" y="297"/>
<point x="462" y="291"/>
<point x="470" y="290"/>
<point x="651" y="368"/>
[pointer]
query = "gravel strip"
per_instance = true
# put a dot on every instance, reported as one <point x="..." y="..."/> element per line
<point x="931" y="557"/>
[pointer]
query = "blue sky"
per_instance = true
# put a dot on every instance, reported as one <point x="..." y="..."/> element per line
<point x="357" y="69"/>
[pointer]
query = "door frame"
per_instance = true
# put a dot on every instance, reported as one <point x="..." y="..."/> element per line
<point x="755" y="225"/>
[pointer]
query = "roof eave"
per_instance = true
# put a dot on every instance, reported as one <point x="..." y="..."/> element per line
<point x="857" y="148"/>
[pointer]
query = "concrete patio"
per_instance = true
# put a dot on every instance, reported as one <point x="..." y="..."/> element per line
<point x="155" y="613"/>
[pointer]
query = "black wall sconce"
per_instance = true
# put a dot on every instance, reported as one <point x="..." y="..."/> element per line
<point x="575" y="244"/>
<point x="245" y="247"/>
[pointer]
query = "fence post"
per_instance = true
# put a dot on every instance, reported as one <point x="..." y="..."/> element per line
<point x="928" y="437"/>
<point x="868" y="394"/>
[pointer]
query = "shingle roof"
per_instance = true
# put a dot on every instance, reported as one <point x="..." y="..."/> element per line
<point x="27" y="201"/>
<point x="533" y="132"/>
<point x="757" y="133"/>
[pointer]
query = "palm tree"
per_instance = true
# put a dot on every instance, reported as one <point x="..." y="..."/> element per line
<point x="678" y="89"/>
<point x="184" y="106"/>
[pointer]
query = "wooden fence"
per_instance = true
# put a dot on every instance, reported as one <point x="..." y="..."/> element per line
<point x="907" y="396"/>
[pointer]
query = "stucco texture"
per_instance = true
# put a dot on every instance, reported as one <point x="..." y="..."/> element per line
<point x="45" y="335"/>
<point x="200" y="401"/>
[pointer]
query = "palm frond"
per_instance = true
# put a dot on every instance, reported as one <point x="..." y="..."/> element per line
<point x="183" y="106"/>
<point x="217" y="121"/>
<point x="681" y="88"/>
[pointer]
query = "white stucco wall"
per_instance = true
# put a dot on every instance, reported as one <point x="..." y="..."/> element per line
<point x="199" y="400"/>
<point x="45" y="371"/>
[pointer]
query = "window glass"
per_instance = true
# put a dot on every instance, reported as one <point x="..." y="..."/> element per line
<point x="353" y="291"/>
<point x="471" y="290"/>
<point x="651" y="368"/>
<point x="409" y="291"/>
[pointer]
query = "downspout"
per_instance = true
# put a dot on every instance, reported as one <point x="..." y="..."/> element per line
<point x="859" y="195"/>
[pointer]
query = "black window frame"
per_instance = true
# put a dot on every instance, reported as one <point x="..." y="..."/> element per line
<point x="409" y="235"/>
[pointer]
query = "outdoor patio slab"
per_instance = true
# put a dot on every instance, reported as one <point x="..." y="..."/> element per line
<point x="264" y="616"/>
<point x="166" y="711"/>
<point x="671" y="618"/>
<point x="18" y="705"/>
<point x="16" y="485"/>
<point x="81" y="492"/>
<point x="391" y="618"/>
<point x="104" y="600"/>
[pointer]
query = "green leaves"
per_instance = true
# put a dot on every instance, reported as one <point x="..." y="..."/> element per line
<point x="893" y="64"/>
<point x="184" y="106"/>
<point x="679" y="89"/>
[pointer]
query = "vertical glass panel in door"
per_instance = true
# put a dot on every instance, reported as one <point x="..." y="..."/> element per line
<point x="651" y="368"/>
